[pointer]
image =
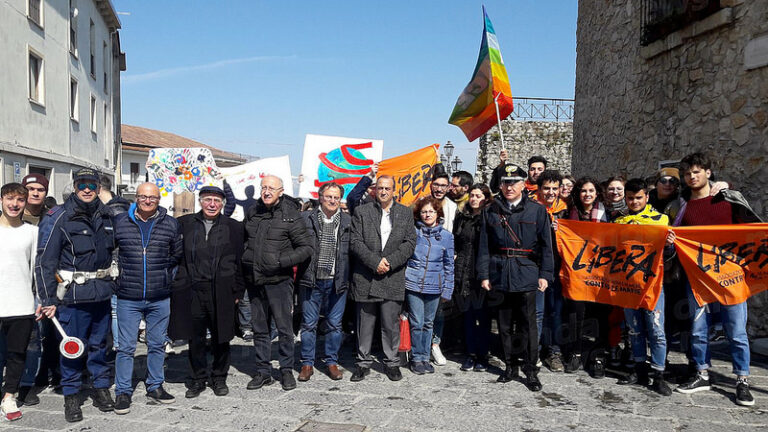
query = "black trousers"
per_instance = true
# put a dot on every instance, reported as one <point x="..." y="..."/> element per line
<point x="517" y="328"/>
<point x="16" y="332"/>
<point x="49" y="362"/>
<point x="267" y="302"/>
<point x="574" y="320"/>
<point x="203" y="319"/>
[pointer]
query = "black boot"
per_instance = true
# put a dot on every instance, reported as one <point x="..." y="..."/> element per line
<point x="532" y="380"/>
<point x="638" y="375"/>
<point x="103" y="400"/>
<point x="72" y="412"/>
<point x="512" y="372"/>
<point x="659" y="385"/>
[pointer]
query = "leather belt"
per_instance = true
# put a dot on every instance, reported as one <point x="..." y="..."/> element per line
<point x="514" y="252"/>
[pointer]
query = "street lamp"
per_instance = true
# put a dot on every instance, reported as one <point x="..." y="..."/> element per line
<point x="456" y="163"/>
<point x="448" y="149"/>
<point x="445" y="158"/>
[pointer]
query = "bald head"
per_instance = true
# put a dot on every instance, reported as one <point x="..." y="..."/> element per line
<point x="271" y="189"/>
<point x="149" y="189"/>
<point x="147" y="199"/>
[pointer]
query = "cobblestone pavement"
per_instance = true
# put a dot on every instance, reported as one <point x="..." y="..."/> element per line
<point x="447" y="400"/>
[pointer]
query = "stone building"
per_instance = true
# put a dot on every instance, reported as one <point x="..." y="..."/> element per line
<point x="658" y="79"/>
<point x="536" y="127"/>
<point x="60" y="89"/>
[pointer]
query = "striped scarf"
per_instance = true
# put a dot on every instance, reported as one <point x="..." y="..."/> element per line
<point x="327" y="258"/>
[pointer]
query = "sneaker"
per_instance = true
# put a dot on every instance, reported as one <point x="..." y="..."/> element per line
<point x="438" y="356"/>
<point x="468" y="364"/>
<point x="28" y="396"/>
<point x="72" y="411"/>
<point x="169" y="348"/>
<point x="160" y="395"/>
<point x="288" y="382"/>
<point x="743" y="396"/>
<point x="554" y="362"/>
<point x="394" y="374"/>
<point x="143" y="336"/>
<point x="598" y="369"/>
<point x="659" y="385"/>
<point x="259" y="381"/>
<point x="102" y="400"/>
<point x="696" y="384"/>
<point x="122" y="404"/>
<point x="481" y="365"/>
<point x="418" y="368"/>
<point x="9" y="410"/>
<point x="247" y="335"/>
<point x="573" y="364"/>
<point x="428" y="367"/>
<point x="194" y="390"/>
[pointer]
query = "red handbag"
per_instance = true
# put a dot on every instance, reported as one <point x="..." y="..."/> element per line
<point x="405" y="334"/>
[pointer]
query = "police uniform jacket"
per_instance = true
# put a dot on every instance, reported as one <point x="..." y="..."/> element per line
<point x="515" y="246"/>
<point x="77" y="237"/>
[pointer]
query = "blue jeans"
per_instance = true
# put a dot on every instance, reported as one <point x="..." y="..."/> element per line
<point x="439" y="325"/>
<point x="130" y="313"/>
<point x="540" y="303"/>
<point x="322" y="297"/>
<point x="115" y="343"/>
<point x="421" y="314"/>
<point x="553" y="318"/>
<point x="88" y="322"/>
<point x="734" y="319"/>
<point x="645" y="325"/>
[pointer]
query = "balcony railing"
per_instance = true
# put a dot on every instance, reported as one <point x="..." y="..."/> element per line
<point x="542" y="109"/>
<point x="663" y="17"/>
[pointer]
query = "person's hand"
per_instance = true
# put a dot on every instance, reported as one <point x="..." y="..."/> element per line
<point x="237" y="301"/>
<point x="383" y="266"/>
<point x="486" y="284"/>
<point x="554" y="225"/>
<point x="503" y="156"/>
<point x="671" y="237"/>
<point x="45" y="312"/>
<point x="375" y="168"/>
<point x="543" y="284"/>
<point x="717" y="187"/>
<point x="444" y="300"/>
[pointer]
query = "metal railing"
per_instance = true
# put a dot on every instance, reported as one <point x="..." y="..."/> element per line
<point x="663" y="17"/>
<point x="542" y="109"/>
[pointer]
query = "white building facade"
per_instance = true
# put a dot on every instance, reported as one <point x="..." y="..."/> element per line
<point x="60" y="89"/>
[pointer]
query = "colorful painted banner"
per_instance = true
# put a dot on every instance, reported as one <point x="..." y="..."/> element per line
<point x="475" y="111"/>
<point x="621" y="265"/>
<point x="245" y="180"/>
<point x="338" y="159"/>
<point x="176" y="170"/>
<point x="412" y="173"/>
<point x="724" y="263"/>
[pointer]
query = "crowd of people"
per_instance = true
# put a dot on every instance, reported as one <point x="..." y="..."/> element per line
<point x="104" y="267"/>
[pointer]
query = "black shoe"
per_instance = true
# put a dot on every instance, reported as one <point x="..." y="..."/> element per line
<point x="573" y="364"/>
<point x="598" y="369"/>
<point x="696" y="384"/>
<point x="510" y="373"/>
<point x="122" y="404"/>
<point x="393" y="373"/>
<point x="288" y="382"/>
<point x="659" y="385"/>
<point x="481" y="364"/>
<point x="102" y="400"/>
<point x="418" y="368"/>
<point x="220" y="388"/>
<point x="360" y="373"/>
<point x="259" y="381"/>
<point x="639" y="375"/>
<point x="614" y="357"/>
<point x="28" y="396"/>
<point x="468" y="364"/>
<point x="532" y="381"/>
<point x="72" y="411"/>
<point x="194" y="390"/>
<point x="743" y="395"/>
<point x="160" y="395"/>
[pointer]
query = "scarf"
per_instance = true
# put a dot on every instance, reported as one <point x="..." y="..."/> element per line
<point x="326" y="261"/>
<point x="597" y="214"/>
<point x="648" y="216"/>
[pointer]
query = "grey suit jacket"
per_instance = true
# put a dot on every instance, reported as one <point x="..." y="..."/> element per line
<point x="365" y="246"/>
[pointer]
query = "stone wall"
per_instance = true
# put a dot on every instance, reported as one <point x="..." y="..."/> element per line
<point x="700" y="89"/>
<point x="524" y="139"/>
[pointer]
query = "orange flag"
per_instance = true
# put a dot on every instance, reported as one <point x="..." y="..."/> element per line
<point x="724" y="263"/>
<point x="412" y="173"/>
<point x="621" y="265"/>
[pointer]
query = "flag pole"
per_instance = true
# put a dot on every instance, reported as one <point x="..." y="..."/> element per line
<point x="498" y="118"/>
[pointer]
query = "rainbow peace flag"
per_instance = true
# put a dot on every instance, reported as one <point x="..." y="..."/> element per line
<point x="475" y="111"/>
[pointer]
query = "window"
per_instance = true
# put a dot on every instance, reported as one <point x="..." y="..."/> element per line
<point x="105" y="61"/>
<point x="36" y="88"/>
<point x="35" y="11"/>
<point x="73" y="100"/>
<point x="93" y="49"/>
<point x="93" y="114"/>
<point x="661" y="18"/>
<point x="134" y="172"/>
<point x="73" y="27"/>
<point x="39" y="170"/>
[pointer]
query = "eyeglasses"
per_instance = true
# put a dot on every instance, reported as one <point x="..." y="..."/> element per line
<point x="83" y="186"/>
<point x="668" y="180"/>
<point x="428" y="212"/>
<point x="440" y="186"/>
<point x="270" y="189"/>
<point x="149" y="198"/>
<point x="211" y="200"/>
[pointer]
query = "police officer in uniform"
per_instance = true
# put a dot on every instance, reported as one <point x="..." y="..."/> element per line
<point x="75" y="280"/>
<point x="515" y="258"/>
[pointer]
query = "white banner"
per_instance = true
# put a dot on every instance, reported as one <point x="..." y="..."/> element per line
<point x="245" y="180"/>
<point x="339" y="159"/>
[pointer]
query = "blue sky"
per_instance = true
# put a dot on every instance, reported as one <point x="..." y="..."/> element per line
<point x="256" y="76"/>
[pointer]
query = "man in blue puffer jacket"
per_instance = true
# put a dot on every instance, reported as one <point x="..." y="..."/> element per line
<point x="149" y="249"/>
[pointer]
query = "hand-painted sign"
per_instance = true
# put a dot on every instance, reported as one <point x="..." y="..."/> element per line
<point x="176" y="170"/>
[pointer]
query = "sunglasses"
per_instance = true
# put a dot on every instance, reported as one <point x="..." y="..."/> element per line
<point x="83" y="186"/>
<point x="668" y="180"/>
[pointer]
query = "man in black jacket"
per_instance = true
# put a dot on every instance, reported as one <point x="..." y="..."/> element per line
<point x="276" y="240"/>
<point x="515" y="257"/>
<point x="207" y="288"/>
<point x="324" y="280"/>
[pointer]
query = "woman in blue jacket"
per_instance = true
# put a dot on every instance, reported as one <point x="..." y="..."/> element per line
<point x="428" y="279"/>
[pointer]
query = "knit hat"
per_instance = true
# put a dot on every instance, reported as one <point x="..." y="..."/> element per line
<point x="35" y="178"/>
